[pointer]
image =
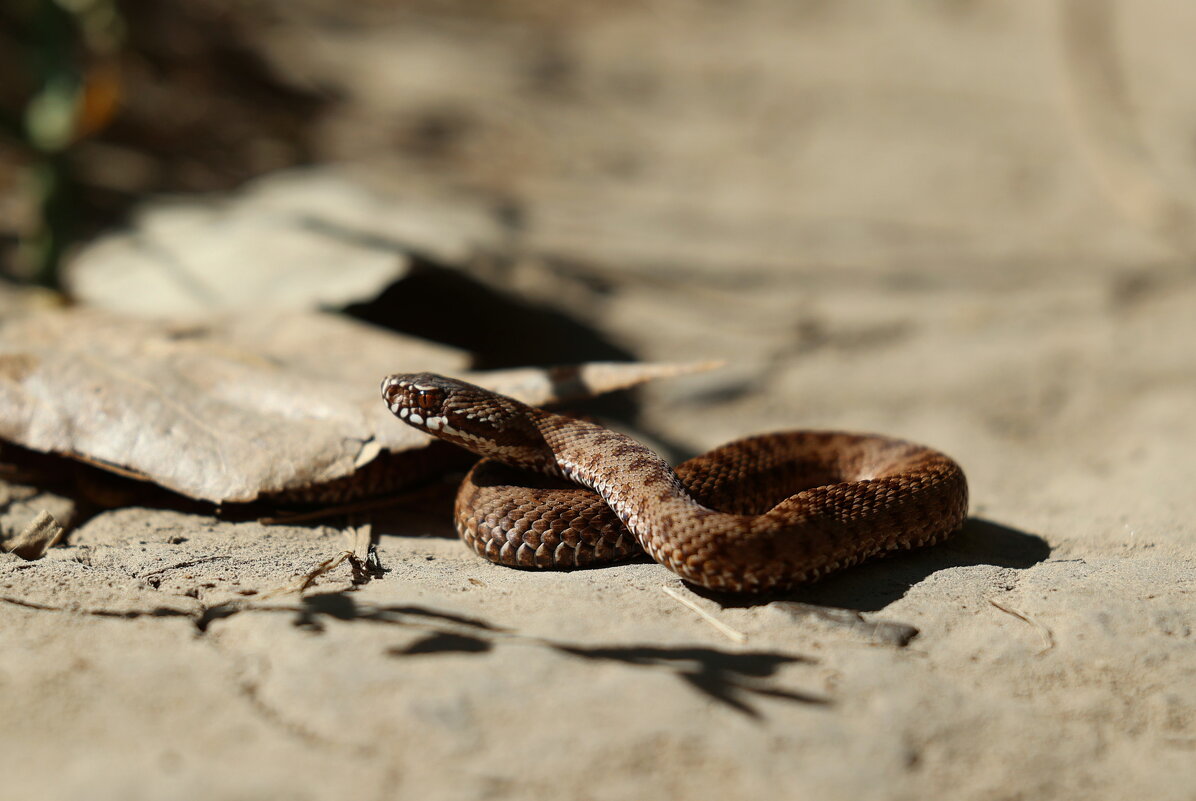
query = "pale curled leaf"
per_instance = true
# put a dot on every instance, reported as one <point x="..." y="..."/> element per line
<point x="42" y="534"/>
<point x="539" y="386"/>
<point x="235" y="409"/>
<point x="318" y="239"/>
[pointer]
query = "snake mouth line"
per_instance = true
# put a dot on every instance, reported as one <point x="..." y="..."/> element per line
<point x="438" y="423"/>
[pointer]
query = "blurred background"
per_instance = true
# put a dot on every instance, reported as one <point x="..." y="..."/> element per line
<point x="750" y="181"/>
<point x="964" y="222"/>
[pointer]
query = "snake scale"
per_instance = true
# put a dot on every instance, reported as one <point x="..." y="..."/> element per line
<point x="756" y="515"/>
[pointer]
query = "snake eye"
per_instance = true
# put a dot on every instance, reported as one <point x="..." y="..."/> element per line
<point x="428" y="398"/>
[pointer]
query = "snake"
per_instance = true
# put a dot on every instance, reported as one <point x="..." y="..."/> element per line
<point x="757" y="515"/>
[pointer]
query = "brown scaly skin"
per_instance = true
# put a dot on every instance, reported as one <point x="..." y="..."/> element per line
<point x="756" y="515"/>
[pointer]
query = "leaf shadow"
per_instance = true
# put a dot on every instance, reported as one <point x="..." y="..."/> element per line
<point x="340" y="606"/>
<point x="533" y="333"/>
<point x="730" y="678"/>
<point x="444" y="642"/>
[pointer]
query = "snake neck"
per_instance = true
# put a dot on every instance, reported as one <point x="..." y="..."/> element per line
<point x="642" y="489"/>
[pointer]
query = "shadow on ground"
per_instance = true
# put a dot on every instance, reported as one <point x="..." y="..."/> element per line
<point x="873" y="586"/>
<point x="531" y="333"/>
<point x="731" y="678"/>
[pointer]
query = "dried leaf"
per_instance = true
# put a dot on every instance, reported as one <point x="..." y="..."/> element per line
<point x="235" y="409"/>
<point x="42" y="534"/>
<point x="317" y="239"/>
<point x="22" y="502"/>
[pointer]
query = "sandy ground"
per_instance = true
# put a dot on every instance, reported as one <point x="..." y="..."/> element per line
<point x="935" y="243"/>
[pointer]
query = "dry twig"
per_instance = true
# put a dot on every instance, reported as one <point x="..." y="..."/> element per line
<point x="1048" y="637"/>
<point x="728" y="632"/>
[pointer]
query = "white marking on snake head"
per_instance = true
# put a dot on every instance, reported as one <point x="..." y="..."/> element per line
<point x="417" y="418"/>
<point x="404" y="412"/>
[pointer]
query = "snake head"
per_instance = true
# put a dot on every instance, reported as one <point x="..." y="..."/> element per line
<point x="473" y="417"/>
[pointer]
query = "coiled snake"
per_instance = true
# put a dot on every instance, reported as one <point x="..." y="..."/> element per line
<point x="755" y="515"/>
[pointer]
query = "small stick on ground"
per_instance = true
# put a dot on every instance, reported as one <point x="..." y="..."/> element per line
<point x="365" y="562"/>
<point x="728" y="632"/>
<point x="1048" y="637"/>
<point x="303" y="582"/>
<point x="42" y="534"/>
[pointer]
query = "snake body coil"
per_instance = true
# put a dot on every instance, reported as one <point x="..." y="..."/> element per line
<point x="755" y="515"/>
